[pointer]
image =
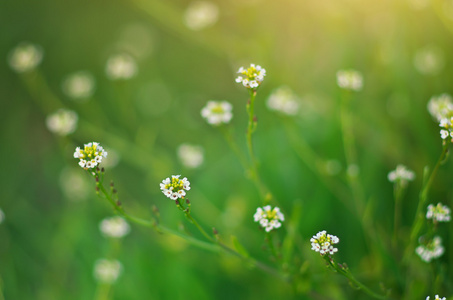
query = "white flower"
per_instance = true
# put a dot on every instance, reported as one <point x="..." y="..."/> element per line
<point x="283" y="100"/>
<point x="191" y="156"/>
<point x="447" y="127"/>
<point x="2" y="216"/>
<point x="441" y="107"/>
<point x="439" y="213"/>
<point x="437" y="298"/>
<point x="217" y="112"/>
<point x="121" y="66"/>
<point x="115" y="227"/>
<point x="269" y="218"/>
<point x="401" y="174"/>
<point x="432" y="249"/>
<point x="251" y="77"/>
<point x="175" y="188"/>
<point x="79" y="85"/>
<point x="201" y="14"/>
<point x="25" y="57"/>
<point x="350" y="80"/>
<point x="429" y="60"/>
<point x="62" y="122"/>
<point x="91" y="155"/>
<point x="107" y="271"/>
<point x="323" y="243"/>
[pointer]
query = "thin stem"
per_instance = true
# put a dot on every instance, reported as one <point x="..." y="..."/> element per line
<point x="398" y="192"/>
<point x="270" y="243"/>
<point x="102" y="291"/>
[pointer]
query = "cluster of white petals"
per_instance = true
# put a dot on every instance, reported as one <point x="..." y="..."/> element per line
<point x="191" y="156"/>
<point x="350" y="80"/>
<point x="251" y="77"/>
<point x="175" y="188"/>
<point x="121" y="66"/>
<point x="441" y="107"/>
<point x="90" y="156"/>
<point x="79" y="85"/>
<point x="323" y="243"/>
<point x="439" y="213"/>
<point x="437" y="298"/>
<point x="283" y="100"/>
<point x="269" y="218"/>
<point x="25" y="57"/>
<point x="62" y="122"/>
<point x="432" y="249"/>
<point x="217" y="112"/>
<point x="115" y="227"/>
<point x="107" y="271"/>
<point x="401" y="174"/>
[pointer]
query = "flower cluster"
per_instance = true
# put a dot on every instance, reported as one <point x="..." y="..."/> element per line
<point x="191" y="156"/>
<point x="25" y="57"/>
<point x="350" y="80"/>
<point x="283" y="100"/>
<point x="439" y="213"/>
<point x="79" y="85"/>
<point x="401" y="174"/>
<point x="175" y="188"/>
<point x="90" y="156"/>
<point x="432" y="249"/>
<point x="107" y="271"/>
<point x="115" y="227"/>
<point x="62" y="122"/>
<point x="217" y="112"/>
<point x="441" y="107"/>
<point x="437" y="298"/>
<point x="121" y="66"/>
<point x="251" y="77"/>
<point x="201" y="14"/>
<point x="269" y="218"/>
<point x="323" y="243"/>
<point x="447" y="128"/>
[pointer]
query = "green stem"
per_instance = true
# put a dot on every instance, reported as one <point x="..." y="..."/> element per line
<point x="270" y="243"/>
<point x="398" y="191"/>
<point x="102" y="291"/>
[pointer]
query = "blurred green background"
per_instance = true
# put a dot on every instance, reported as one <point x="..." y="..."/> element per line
<point x="50" y="239"/>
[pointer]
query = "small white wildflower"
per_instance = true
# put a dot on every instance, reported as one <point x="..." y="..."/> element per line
<point x="350" y="80"/>
<point x="441" y="107"/>
<point x="437" y="298"/>
<point x="191" y="156"/>
<point x="439" y="213"/>
<point x="121" y="66"/>
<point x="115" y="227"/>
<point x="175" y="188"/>
<point x="429" y="60"/>
<point x="25" y="57"/>
<point x="401" y="174"/>
<point x="217" y="112"/>
<point x="62" y="122"/>
<point x="323" y="243"/>
<point x="251" y="77"/>
<point x="447" y="128"/>
<point x="283" y="100"/>
<point x="432" y="249"/>
<point x="79" y="85"/>
<point x="2" y="216"/>
<point x="269" y="218"/>
<point x="90" y="156"/>
<point x="200" y="15"/>
<point x="107" y="271"/>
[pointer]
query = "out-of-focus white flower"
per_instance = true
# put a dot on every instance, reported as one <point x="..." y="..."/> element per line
<point x="323" y="243"/>
<point x="429" y="60"/>
<point x="191" y="156"/>
<point x="252" y="77"/>
<point x="269" y="218"/>
<point x="350" y="80"/>
<point x="107" y="271"/>
<point x="437" y="298"/>
<point x="2" y="216"/>
<point x="432" y="249"/>
<point x="175" y="188"/>
<point x="25" y="57"/>
<point x="201" y="14"/>
<point x="90" y="156"/>
<point x="121" y="66"/>
<point x="441" y="107"/>
<point x="79" y="85"/>
<point x="401" y="174"/>
<point x="439" y="213"/>
<point x="283" y="100"/>
<point x="115" y="227"/>
<point x="62" y="122"/>
<point x="217" y="112"/>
